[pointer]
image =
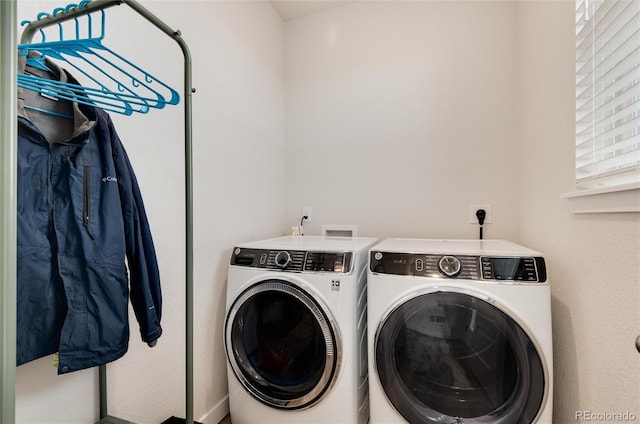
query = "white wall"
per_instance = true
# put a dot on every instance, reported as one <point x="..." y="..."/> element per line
<point x="238" y="60"/>
<point x="409" y="105"/>
<point x="594" y="259"/>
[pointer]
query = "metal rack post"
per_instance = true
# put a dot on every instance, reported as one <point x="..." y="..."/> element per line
<point x="8" y="209"/>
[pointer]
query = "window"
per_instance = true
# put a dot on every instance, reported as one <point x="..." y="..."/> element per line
<point x="607" y="95"/>
<point x="607" y="92"/>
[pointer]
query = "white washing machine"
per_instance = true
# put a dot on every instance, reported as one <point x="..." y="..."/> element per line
<point x="459" y="333"/>
<point x="296" y="331"/>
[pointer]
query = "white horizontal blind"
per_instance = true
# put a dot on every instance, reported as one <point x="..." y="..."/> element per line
<point x="607" y="92"/>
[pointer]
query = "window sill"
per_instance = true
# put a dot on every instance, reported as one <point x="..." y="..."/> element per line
<point x="622" y="198"/>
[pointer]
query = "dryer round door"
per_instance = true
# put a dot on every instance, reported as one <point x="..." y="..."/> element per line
<point x="451" y="357"/>
<point x="282" y="344"/>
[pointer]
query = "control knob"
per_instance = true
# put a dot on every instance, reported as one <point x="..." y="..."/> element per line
<point x="282" y="259"/>
<point x="449" y="265"/>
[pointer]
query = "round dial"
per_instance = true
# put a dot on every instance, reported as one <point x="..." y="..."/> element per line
<point x="282" y="259"/>
<point x="449" y="266"/>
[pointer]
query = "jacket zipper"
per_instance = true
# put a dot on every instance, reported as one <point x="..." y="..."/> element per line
<point x="86" y="209"/>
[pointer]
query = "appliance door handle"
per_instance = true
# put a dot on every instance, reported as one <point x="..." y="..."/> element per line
<point x="638" y="343"/>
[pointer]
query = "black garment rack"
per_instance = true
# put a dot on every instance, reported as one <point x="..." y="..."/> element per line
<point x="8" y="189"/>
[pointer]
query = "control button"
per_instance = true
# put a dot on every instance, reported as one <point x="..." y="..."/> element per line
<point x="337" y="266"/>
<point x="419" y="265"/>
<point x="282" y="259"/>
<point x="263" y="258"/>
<point x="487" y="269"/>
<point x="449" y="266"/>
<point x="377" y="256"/>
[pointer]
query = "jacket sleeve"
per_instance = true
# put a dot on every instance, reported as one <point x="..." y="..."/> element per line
<point x="144" y="275"/>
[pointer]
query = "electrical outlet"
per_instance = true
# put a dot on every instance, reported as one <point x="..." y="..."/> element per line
<point x="306" y="211"/>
<point x="473" y="219"/>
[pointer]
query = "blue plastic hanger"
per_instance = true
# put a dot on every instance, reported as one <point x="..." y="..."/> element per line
<point x="109" y="81"/>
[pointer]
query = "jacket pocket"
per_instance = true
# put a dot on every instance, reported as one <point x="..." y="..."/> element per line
<point x="86" y="201"/>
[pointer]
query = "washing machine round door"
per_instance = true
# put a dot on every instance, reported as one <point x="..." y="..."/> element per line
<point x="282" y="344"/>
<point x="451" y="357"/>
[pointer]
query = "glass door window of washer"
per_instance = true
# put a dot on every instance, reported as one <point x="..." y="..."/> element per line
<point x="450" y="357"/>
<point x="281" y="345"/>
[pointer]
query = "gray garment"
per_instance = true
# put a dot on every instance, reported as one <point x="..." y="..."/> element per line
<point x="55" y="128"/>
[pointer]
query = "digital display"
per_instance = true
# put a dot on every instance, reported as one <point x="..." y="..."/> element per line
<point x="324" y="261"/>
<point x="507" y="268"/>
<point x="515" y="269"/>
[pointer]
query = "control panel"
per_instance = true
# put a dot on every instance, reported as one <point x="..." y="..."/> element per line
<point x="293" y="260"/>
<point x="517" y="269"/>
<point x="468" y="267"/>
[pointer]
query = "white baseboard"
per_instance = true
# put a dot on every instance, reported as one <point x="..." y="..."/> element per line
<point x="217" y="413"/>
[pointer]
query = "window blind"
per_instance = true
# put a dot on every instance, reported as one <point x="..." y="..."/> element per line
<point x="607" y="92"/>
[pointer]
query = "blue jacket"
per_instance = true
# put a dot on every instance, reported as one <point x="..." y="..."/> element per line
<point x="80" y="213"/>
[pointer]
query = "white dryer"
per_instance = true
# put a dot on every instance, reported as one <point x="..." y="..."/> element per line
<point x="295" y="331"/>
<point x="459" y="333"/>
